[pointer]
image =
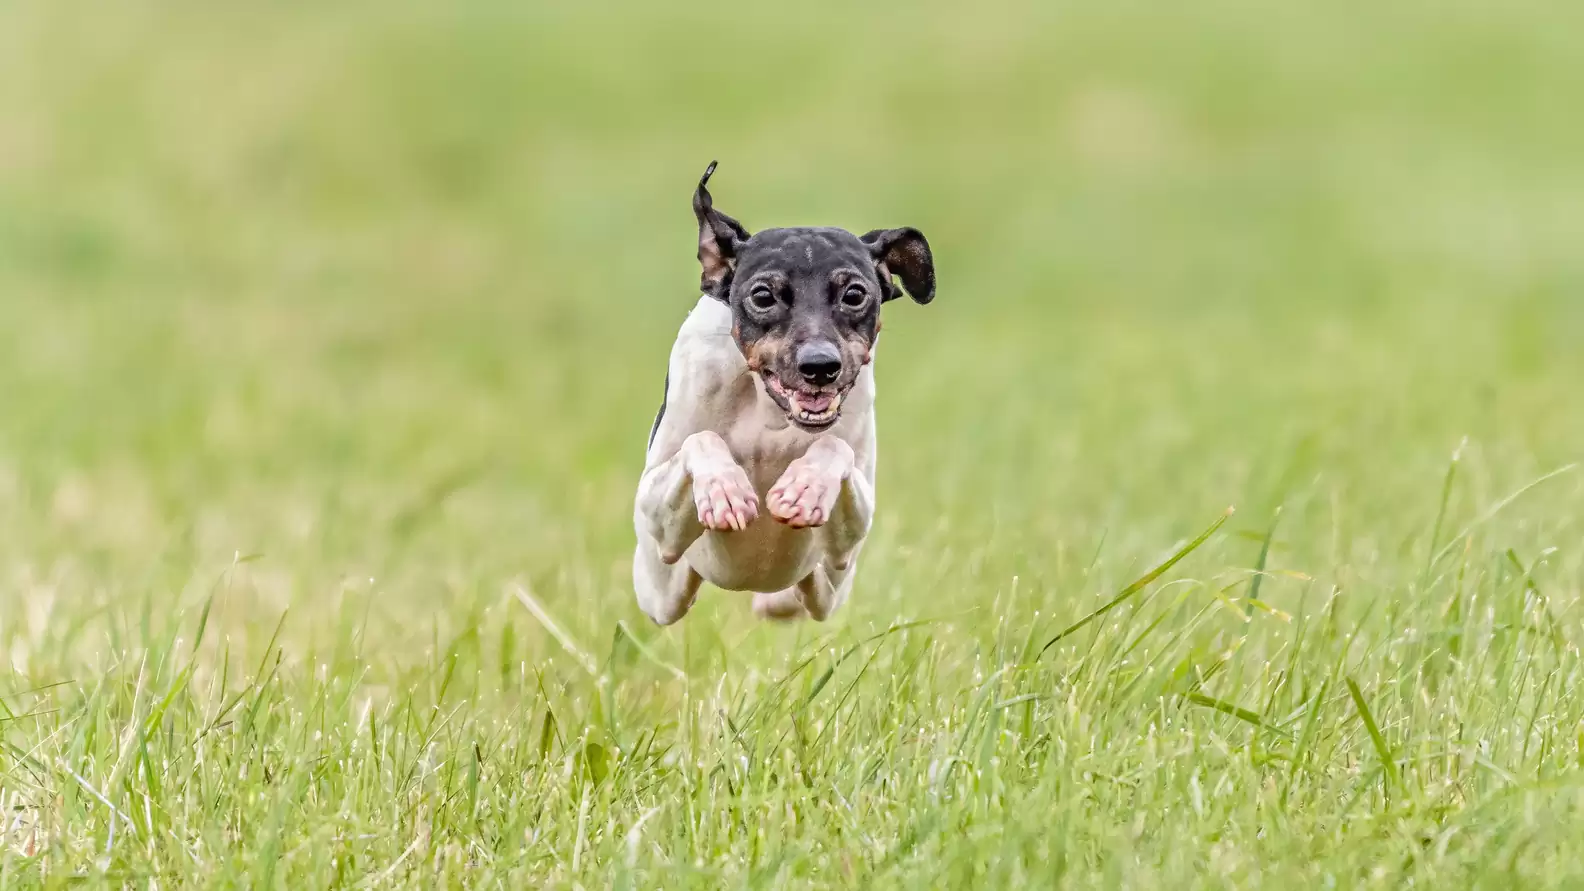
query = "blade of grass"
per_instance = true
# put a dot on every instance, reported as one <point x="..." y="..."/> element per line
<point x="1306" y="736"/>
<point x="550" y="625"/>
<point x="1387" y="764"/>
<point x="1142" y="582"/>
<point x="1236" y="711"/>
<point x="1541" y="601"/>
<point x="1446" y="498"/>
<point x="1259" y="565"/>
<point x="646" y="652"/>
<point x="1498" y="507"/>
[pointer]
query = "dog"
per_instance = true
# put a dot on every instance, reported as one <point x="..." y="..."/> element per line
<point x="769" y="400"/>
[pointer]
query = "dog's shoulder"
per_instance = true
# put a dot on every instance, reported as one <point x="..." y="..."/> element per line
<point x="707" y="380"/>
<point x="697" y="342"/>
<point x="705" y="359"/>
<point x="706" y="335"/>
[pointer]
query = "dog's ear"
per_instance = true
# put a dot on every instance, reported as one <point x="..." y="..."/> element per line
<point x="905" y="254"/>
<point x="719" y="237"/>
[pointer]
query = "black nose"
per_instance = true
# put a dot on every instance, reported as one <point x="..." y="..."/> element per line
<point x="819" y="363"/>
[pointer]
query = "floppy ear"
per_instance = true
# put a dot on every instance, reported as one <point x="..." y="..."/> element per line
<point x="905" y="254"/>
<point x="719" y="236"/>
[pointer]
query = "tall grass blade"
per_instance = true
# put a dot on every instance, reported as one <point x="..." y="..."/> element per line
<point x="552" y="626"/>
<point x="1143" y="581"/>
<point x="1388" y="765"/>
<point x="1259" y="565"/>
<point x="1498" y="507"/>
<point x="1446" y="498"/>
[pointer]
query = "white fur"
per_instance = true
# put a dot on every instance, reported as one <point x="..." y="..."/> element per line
<point x="724" y="453"/>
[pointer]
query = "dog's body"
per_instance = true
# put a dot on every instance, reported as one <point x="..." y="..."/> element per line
<point x="713" y="400"/>
<point x="770" y="400"/>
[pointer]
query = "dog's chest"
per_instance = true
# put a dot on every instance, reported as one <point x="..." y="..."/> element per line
<point x="732" y="404"/>
<point x="763" y="453"/>
<point x="767" y="556"/>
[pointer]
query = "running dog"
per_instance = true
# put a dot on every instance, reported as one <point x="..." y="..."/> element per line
<point x="769" y="401"/>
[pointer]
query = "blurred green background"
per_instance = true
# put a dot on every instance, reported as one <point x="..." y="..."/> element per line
<point x="271" y="273"/>
<point x="379" y="295"/>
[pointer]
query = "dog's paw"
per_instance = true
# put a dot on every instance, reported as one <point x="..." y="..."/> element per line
<point x="725" y="498"/>
<point x="805" y="493"/>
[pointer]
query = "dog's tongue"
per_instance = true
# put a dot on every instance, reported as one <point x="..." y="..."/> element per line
<point x="816" y="403"/>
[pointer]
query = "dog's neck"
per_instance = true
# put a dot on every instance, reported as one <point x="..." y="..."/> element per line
<point x="711" y="319"/>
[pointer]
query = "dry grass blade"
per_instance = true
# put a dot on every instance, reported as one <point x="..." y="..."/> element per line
<point x="555" y="629"/>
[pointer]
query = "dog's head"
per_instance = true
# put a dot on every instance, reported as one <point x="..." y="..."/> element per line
<point x="805" y="301"/>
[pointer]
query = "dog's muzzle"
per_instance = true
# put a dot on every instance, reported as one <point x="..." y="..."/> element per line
<point x="813" y="410"/>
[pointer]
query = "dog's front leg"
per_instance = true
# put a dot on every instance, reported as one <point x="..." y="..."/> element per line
<point x="825" y="488"/>
<point x="700" y="487"/>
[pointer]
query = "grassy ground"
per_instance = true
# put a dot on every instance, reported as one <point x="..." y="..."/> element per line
<point x="329" y="340"/>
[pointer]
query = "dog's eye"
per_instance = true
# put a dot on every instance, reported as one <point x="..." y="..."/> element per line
<point x="761" y="298"/>
<point x="855" y="296"/>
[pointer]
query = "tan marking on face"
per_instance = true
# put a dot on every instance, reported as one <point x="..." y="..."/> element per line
<point x="855" y="353"/>
<point x="762" y="353"/>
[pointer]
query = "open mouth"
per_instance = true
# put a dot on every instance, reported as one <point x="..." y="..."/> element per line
<point x="810" y="409"/>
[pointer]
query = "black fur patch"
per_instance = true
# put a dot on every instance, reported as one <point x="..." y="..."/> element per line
<point x="661" y="413"/>
<point x="802" y="275"/>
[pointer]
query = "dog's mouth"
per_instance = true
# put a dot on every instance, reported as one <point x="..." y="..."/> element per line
<point x="811" y="409"/>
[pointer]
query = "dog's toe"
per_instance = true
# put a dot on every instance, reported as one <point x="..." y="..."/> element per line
<point x="804" y="495"/>
<point x="726" y="501"/>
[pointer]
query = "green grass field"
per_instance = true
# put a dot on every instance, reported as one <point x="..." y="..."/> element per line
<point x="330" y="338"/>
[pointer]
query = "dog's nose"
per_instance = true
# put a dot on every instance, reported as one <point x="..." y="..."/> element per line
<point x="819" y="363"/>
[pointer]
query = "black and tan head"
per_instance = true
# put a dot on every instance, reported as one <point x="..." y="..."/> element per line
<point x="805" y="301"/>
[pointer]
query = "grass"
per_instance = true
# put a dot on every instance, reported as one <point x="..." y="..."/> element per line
<point x="329" y="339"/>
